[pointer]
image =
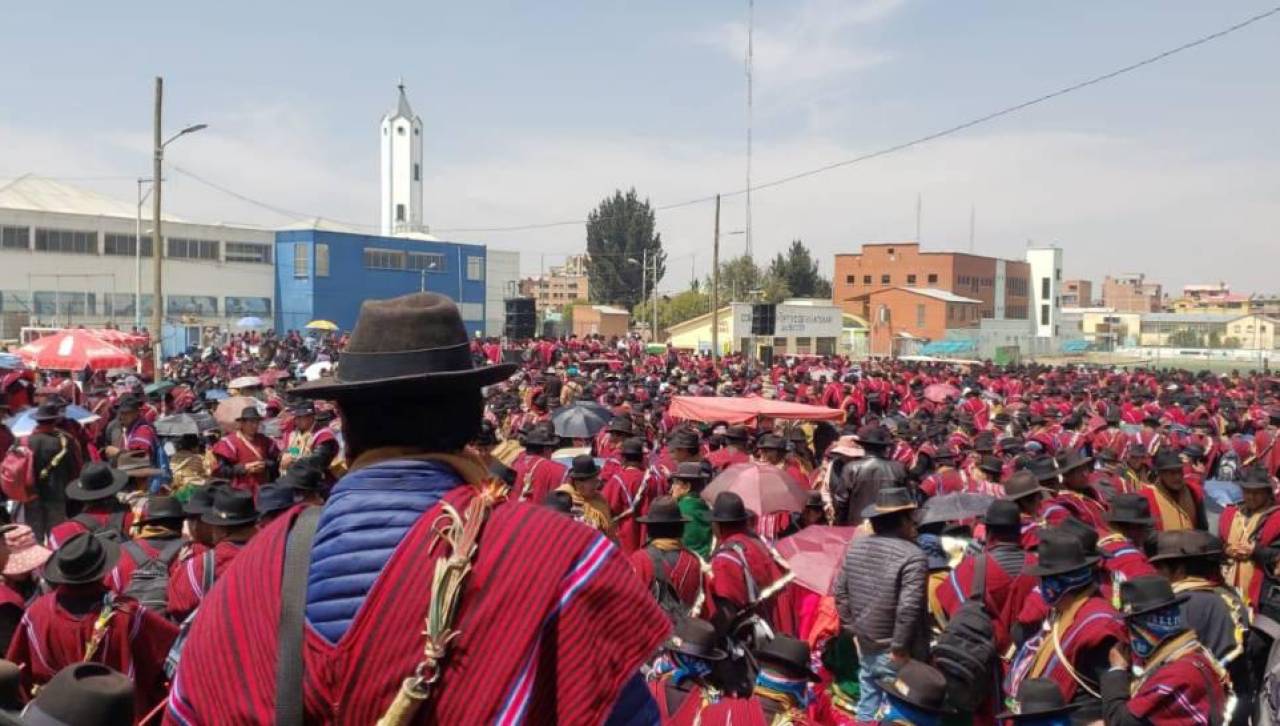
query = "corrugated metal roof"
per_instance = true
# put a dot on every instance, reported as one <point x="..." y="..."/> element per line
<point x="1208" y="318"/>
<point x="935" y="293"/>
<point x="38" y="194"/>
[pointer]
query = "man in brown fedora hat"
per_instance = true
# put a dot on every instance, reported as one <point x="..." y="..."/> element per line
<point x="550" y="617"/>
<point x="247" y="457"/>
<point x="535" y="473"/>
<point x="96" y="509"/>
<point x="1175" y="504"/>
<point x="583" y="487"/>
<point x="862" y="479"/>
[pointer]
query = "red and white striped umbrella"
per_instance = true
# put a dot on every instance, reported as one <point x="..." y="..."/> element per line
<point x="75" y="350"/>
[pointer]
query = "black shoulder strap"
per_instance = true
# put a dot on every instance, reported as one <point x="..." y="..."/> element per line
<point x="170" y="551"/>
<point x="135" y="552"/>
<point x="116" y="521"/>
<point x="978" y="587"/>
<point x="658" y="559"/>
<point x="293" y="596"/>
<point x="88" y="521"/>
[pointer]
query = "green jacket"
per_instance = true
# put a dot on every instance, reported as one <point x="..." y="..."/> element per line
<point x="697" y="531"/>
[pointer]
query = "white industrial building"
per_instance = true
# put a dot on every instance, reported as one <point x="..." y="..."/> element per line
<point x="1046" y="281"/>
<point x="68" y="256"/>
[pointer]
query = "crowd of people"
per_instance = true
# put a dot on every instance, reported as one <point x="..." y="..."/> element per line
<point x="415" y="536"/>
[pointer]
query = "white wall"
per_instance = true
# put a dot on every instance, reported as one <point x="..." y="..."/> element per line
<point x="28" y="271"/>
<point x="1046" y="263"/>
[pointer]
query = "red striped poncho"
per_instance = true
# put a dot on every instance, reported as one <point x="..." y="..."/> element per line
<point x="552" y="622"/>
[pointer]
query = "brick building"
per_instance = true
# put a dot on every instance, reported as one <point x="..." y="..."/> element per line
<point x="900" y="313"/>
<point x="1001" y="288"/>
<point x="1131" y="293"/>
<point x="563" y="285"/>
<point x="1077" y="293"/>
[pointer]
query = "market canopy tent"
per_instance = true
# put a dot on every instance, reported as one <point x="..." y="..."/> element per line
<point x="75" y="350"/>
<point x="748" y="410"/>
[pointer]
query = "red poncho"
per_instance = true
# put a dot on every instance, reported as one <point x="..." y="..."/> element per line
<point x="552" y="622"/>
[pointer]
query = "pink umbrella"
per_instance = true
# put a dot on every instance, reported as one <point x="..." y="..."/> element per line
<point x="940" y="392"/>
<point x="764" y="488"/>
<point x="815" y="554"/>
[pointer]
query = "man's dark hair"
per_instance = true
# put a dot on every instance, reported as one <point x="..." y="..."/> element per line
<point x="665" y="530"/>
<point x="441" y="423"/>
<point x="890" y="524"/>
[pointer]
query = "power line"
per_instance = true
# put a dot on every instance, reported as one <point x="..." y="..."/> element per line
<point x="928" y="137"/>
<point x="292" y="214"/>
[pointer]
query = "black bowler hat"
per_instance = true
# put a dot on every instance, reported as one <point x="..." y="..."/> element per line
<point x="873" y="435"/>
<point x="250" y="413"/>
<point x="303" y="408"/>
<point x="128" y="403"/>
<point x="49" y="412"/>
<point x="696" y="637"/>
<point x="584" y="467"/>
<point x="663" y="510"/>
<point x="412" y="343"/>
<point x="1256" y="477"/>
<point x="83" y="694"/>
<point x="200" y="501"/>
<point x="542" y="434"/>
<point x="789" y="655"/>
<point x="1037" y="697"/>
<point x="303" y="476"/>
<point x="159" y="509"/>
<point x="1071" y="459"/>
<point x="1060" y="552"/>
<point x="691" y="471"/>
<point x="97" y="481"/>
<point x="728" y="507"/>
<point x="621" y="425"/>
<point x="684" y="439"/>
<point x="737" y="433"/>
<point x="889" y="500"/>
<point x="1167" y="460"/>
<point x="771" y="442"/>
<point x="274" y="498"/>
<point x="632" y="448"/>
<point x="984" y="443"/>
<point x="992" y="466"/>
<point x="1147" y="593"/>
<point x="1130" y="509"/>
<point x="1186" y="544"/>
<point x="1044" y="468"/>
<point x="1003" y="513"/>
<point x="918" y="684"/>
<point x="82" y="559"/>
<point x="231" y="508"/>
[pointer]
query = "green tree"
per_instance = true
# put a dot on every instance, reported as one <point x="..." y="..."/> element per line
<point x="1185" y="338"/>
<point x="620" y="236"/>
<point x="742" y="280"/>
<point x="673" y="309"/>
<point x="799" y="271"/>
<point x="1231" y="342"/>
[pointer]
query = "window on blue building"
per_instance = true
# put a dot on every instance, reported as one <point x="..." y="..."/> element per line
<point x="301" y="262"/>
<point x="380" y="259"/>
<point x="429" y="261"/>
<point x="475" y="268"/>
<point x="322" y="259"/>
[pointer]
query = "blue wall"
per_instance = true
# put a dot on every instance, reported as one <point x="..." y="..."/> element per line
<point x="337" y="297"/>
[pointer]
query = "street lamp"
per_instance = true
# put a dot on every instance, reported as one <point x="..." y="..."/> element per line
<point x="157" y="246"/>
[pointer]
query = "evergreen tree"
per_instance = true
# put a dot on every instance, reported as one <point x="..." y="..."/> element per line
<point x="620" y="231"/>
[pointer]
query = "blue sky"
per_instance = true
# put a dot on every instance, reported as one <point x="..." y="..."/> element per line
<point x="534" y="111"/>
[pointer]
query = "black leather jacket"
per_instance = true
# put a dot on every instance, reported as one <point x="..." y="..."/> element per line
<point x="859" y="483"/>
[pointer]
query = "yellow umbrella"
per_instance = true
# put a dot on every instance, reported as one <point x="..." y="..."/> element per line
<point x="321" y="325"/>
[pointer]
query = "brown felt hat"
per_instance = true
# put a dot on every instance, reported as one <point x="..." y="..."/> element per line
<point x="410" y="343"/>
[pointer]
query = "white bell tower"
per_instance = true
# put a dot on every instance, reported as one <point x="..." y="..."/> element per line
<point x="401" y="169"/>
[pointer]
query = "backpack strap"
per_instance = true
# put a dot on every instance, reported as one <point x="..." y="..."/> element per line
<point x="170" y="551"/>
<point x="290" y="668"/>
<point x="978" y="586"/>
<point x="659" y="561"/>
<point x="753" y="592"/>
<point x="88" y="521"/>
<point x="135" y="552"/>
<point x="116" y="522"/>
<point x="210" y="561"/>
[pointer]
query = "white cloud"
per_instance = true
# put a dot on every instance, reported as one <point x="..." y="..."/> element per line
<point x="816" y="43"/>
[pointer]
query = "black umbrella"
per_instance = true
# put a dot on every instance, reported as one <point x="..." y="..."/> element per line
<point x="955" y="507"/>
<point x="183" y="424"/>
<point x="579" y="421"/>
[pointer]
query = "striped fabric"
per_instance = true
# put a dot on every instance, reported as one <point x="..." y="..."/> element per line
<point x="552" y="623"/>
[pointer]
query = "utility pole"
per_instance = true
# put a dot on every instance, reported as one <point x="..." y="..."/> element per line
<point x="157" y="243"/>
<point x="644" y="285"/>
<point x="654" y="292"/>
<point x="715" y="289"/>
<point x="751" y="22"/>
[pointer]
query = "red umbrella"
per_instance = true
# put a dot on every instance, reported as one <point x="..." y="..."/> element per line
<point x="75" y="350"/>
<point x="940" y="392"/>
<point x="815" y="554"/>
<point x="764" y="488"/>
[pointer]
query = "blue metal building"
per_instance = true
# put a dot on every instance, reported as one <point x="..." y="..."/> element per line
<point x="322" y="274"/>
